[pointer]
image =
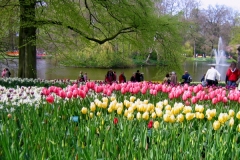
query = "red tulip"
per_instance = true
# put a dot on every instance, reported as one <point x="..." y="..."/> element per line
<point x="82" y="93"/>
<point x="115" y="120"/>
<point x="150" y="124"/>
<point x="50" y="99"/>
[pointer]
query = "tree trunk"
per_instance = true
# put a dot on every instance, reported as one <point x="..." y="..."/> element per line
<point x="238" y="60"/>
<point x="27" y="40"/>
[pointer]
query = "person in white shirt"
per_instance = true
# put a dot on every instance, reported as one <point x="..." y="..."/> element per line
<point x="212" y="76"/>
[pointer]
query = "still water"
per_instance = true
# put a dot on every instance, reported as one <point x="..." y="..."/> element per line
<point x="48" y="70"/>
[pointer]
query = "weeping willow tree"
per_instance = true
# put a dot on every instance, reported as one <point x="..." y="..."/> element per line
<point x="93" y="21"/>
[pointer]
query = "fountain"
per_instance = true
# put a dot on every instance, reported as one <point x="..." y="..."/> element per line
<point x="219" y="54"/>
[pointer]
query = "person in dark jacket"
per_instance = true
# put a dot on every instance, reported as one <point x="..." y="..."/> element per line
<point x="138" y="76"/>
<point x="186" y="78"/>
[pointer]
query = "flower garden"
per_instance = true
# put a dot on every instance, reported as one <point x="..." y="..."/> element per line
<point x="94" y="120"/>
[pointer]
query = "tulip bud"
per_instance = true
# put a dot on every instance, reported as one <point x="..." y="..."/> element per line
<point x="139" y="116"/>
<point x="92" y="107"/>
<point x="119" y="111"/>
<point x="154" y="115"/>
<point x="216" y="125"/>
<point x="231" y="122"/>
<point x="231" y="113"/>
<point x="238" y="115"/>
<point x="165" y="102"/>
<point x="156" y="124"/>
<point x="9" y="116"/>
<point x="180" y="118"/>
<point x="238" y="127"/>
<point x="91" y="115"/>
<point x="84" y="110"/>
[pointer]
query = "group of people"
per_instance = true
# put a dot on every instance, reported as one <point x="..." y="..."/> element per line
<point x="111" y="76"/>
<point x="212" y="76"/>
<point x="6" y="73"/>
<point x="137" y="77"/>
<point x="171" y="78"/>
<point x="83" y="77"/>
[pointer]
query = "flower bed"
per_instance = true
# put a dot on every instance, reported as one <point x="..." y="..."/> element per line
<point x="119" y="121"/>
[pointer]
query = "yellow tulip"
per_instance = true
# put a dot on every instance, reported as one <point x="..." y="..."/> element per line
<point x="238" y="127"/>
<point x="231" y="122"/>
<point x="113" y="98"/>
<point x="209" y="117"/>
<point x="180" y="118"/>
<point x="104" y="104"/>
<point x="105" y="99"/>
<point x="145" y="116"/>
<point x="187" y="109"/>
<point x="156" y="124"/>
<point x="145" y="101"/>
<point x="91" y="115"/>
<point x="168" y="107"/>
<point x="84" y="110"/>
<point x="231" y="113"/>
<point x="119" y="111"/>
<point x="172" y="119"/>
<point x="159" y="113"/>
<point x="130" y="110"/>
<point x="159" y="105"/>
<point x="130" y="116"/>
<point x="216" y="125"/>
<point x="125" y="112"/>
<point x="126" y="103"/>
<point x="199" y="108"/>
<point x="166" y="117"/>
<point x="213" y="112"/>
<point x="154" y="115"/>
<point x="238" y="115"/>
<point x="139" y="116"/>
<point x="110" y="110"/>
<point x="140" y="108"/>
<point x="175" y="110"/>
<point x="190" y="116"/>
<point x="92" y="107"/>
<point x="96" y="101"/>
<point x="98" y="113"/>
<point x="201" y="116"/>
<point x="165" y="102"/>
<point x="132" y="99"/>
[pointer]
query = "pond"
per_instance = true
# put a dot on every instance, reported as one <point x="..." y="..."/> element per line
<point x="48" y="70"/>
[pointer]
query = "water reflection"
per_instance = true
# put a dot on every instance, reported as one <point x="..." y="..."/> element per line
<point x="48" y="70"/>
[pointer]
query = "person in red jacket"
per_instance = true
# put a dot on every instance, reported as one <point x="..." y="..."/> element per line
<point x="122" y="78"/>
<point x="232" y="75"/>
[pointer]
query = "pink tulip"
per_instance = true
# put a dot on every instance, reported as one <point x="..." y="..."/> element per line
<point x="187" y="103"/>
<point x="50" y="99"/>
<point x="45" y="91"/>
<point x="194" y="100"/>
<point x="123" y="91"/>
<point x="62" y="94"/>
<point x="75" y="93"/>
<point x="82" y="93"/>
<point x="170" y="95"/>
<point x="225" y="100"/>
<point x="184" y="97"/>
<point x="214" y="100"/>
<point x="69" y="94"/>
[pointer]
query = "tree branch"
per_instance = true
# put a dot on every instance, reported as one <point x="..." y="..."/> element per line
<point x="121" y="31"/>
